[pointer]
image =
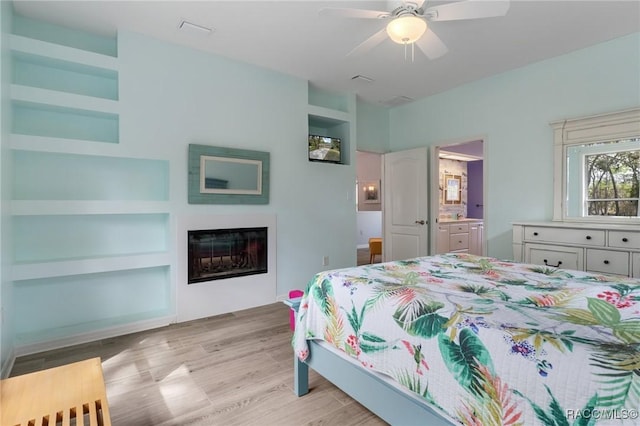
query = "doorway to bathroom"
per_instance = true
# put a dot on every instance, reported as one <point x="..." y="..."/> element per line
<point x="457" y="198"/>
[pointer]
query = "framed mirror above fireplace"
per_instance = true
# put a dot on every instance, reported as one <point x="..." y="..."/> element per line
<point x="219" y="175"/>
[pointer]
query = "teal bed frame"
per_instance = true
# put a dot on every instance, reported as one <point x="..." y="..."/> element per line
<point x="391" y="404"/>
<point x="383" y="399"/>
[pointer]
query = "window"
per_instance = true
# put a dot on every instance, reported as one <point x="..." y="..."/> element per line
<point x="597" y="168"/>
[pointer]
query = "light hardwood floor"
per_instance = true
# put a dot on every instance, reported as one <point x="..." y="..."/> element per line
<point x="231" y="369"/>
<point x="363" y="257"/>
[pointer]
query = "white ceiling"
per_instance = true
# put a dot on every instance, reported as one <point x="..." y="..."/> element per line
<point x="290" y="37"/>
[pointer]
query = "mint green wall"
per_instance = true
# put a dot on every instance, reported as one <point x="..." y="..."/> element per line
<point x="373" y="127"/>
<point x="167" y="97"/>
<point x="6" y="327"/>
<point x="512" y="111"/>
<point x="171" y="96"/>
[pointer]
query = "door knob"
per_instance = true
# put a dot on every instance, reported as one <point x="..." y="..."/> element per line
<point x="420" y="222"/>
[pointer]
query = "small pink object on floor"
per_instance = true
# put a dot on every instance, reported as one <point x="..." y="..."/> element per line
<point x="292" y="314"/>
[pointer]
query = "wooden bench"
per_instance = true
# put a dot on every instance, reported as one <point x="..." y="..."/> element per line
<point x="66" y="395"/>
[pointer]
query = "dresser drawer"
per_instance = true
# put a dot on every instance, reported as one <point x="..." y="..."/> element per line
<point x="555" y="256"/>
<point x="608" y="261"/>
<point x="458" y="228"/>
<point x="624" y="239"/>
<point x="458" y="242"/>
<point x="586" y="237"/>
<point x="636" y="265"/>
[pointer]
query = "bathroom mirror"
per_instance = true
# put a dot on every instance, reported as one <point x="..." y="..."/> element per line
<point x="452" y="189"/>
<point x="220" y="175"/>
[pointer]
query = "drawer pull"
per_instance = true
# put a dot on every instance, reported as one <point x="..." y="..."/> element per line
<point x="553" y="266"/>
<point x="535" y="234"/>
<point x="588" y="237"/>
<point x="606" y="262"/>
<point x="625" y="239"/>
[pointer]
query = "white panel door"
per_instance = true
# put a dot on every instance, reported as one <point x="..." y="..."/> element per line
<point x="405" y="205"/>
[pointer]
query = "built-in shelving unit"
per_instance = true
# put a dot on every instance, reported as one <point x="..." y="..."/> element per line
<point x="91" y="224"/>
<point x="333" y="115"/>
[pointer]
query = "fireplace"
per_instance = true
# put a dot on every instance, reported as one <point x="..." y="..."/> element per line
<point x="225" y="253"/>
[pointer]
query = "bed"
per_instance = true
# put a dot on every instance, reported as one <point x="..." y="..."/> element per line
<point x="463" y="339"/>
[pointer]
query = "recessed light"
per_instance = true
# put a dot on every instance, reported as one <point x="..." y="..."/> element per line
<point x="190" y="27"/>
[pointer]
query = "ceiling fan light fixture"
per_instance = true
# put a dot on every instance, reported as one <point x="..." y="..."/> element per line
<point x="406" y="29"/>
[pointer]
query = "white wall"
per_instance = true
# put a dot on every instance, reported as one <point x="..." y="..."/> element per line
<point x="511" y="112"/>
<point x="369" y="225"/>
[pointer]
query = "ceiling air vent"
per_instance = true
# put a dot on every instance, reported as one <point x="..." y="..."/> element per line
<point x="398" y="100"/>
<point x="362" y="78"/>
<point x="191" y="28"/>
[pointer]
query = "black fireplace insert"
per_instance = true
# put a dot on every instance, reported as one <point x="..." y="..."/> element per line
<point x="225" y="253"/>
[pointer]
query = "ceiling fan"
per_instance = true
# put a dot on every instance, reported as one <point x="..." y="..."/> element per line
<point x="407" y="21"/>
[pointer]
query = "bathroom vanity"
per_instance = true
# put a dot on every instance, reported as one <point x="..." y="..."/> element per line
<point x="460" y="236"/>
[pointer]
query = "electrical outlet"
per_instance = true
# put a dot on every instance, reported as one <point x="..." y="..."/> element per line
<point x="325" y="260"/>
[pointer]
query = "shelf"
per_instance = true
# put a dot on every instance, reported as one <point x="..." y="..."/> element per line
<point x="90" y="297"/>
<point x="59" y="91"/>
<point x="57" y="101"/>
<point x="325" y="99"/>
<point x="33" y="271"/>
<point x="54" y="307"/>
<point x="65" y="146"/>
<point x="42" y="176"/>
<point x="56" y="238"/>
<point x="325" y="117"/>
<point x="35" y="119"/>
<point x="331" y="123"/>
<point x="62" y="76"/>
<point x="59" y="337"/>
<point x="72" y="207"/>
<point x="64" y="53"/>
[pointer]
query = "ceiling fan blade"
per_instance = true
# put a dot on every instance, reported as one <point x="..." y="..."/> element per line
<point x="468" y="9"/>
<point x="353" y="13"/>
<point x="431" y="45"/>
<point x="369" y="43"/>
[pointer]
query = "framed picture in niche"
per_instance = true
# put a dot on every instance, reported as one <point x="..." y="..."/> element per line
<point x="219" y="175"/>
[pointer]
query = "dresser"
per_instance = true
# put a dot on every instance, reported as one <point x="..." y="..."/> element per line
<point x="460" y="236"/>
<point x="612" y="249"/>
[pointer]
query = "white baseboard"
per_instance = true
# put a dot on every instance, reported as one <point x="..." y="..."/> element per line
<point x="8" y="365"/>
<point x="106" y="333"/>
<point x="363" y="246"/>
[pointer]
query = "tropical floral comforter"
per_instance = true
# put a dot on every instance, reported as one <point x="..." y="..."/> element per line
<point x="486" y="341"/>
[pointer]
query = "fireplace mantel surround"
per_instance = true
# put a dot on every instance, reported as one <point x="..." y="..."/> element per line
<point x="209" y="298"/>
